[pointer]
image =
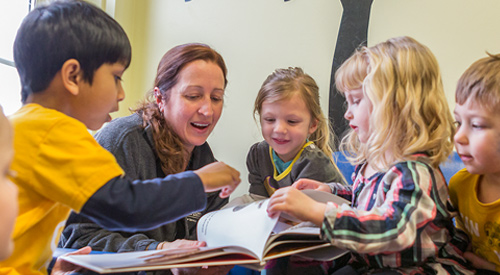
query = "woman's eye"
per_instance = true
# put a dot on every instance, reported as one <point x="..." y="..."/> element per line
<point x="217" y="99"/>
<point x="191" y="97"/>
<point x="118" y="78"/>
<point x="269" y="119"/>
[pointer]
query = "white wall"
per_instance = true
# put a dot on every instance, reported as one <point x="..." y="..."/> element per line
<point x="257" y="36"/>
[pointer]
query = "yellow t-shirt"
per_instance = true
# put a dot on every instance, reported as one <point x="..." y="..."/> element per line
<point x="481" y="221"/>
<point x="58" y="167"/>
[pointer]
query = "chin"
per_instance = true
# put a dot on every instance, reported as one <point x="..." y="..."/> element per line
<point x="197" y="142"/>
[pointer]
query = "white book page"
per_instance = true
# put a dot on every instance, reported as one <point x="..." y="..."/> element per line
<point x="246" y="225"/>
<point x="112" y="260"/>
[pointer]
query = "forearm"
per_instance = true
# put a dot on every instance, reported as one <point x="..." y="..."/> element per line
<point x="79" y="235"/>
<point x="142" y="205"/>
<point x="341" y="190"/>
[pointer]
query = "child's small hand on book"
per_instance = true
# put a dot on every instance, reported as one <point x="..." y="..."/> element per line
<point x="303" y="184"/>
<point x="204" y="270"/>
<point x="297" y="204"/>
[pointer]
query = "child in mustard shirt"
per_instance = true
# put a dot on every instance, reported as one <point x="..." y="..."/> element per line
<point x="475" y="190"/>
<point x="71" y="56"/>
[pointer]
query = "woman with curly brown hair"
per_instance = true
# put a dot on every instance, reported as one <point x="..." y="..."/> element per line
<point x="165" y="135"/>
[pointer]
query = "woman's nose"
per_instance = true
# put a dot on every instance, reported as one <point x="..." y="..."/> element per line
<point x="206" y="108"/>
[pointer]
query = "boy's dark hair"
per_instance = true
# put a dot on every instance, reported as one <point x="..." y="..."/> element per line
<point x="481" y="83"/>
<point x="50" y="35"/>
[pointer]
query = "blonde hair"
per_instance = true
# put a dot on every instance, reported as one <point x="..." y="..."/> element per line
<point x="282" y="84"/>
<point x="481" y="83"/>
<point x="402" y="80"/>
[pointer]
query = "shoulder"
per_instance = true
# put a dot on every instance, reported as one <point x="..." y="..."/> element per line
<point x="462" y="176"/>
<point x="415" y="169"/>
<point x="258" y="156"/>
<point x="313" y="152"/>
<point x="260" y="146"/>
<point x="121" y="126"/>
<point x="201" y="156"/>
<point x="315" y="164"/>
<point x="35" y="119"/>
<point x="313" y="156"/>
<point x="258" y="149"/>
<point x="127" y="129"/>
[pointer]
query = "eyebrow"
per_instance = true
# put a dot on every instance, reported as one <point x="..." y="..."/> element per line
<point x="200" y="87"/>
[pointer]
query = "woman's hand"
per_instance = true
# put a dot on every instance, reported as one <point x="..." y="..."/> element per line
<point x="302" y="184"/>
<point x="219" y="176"/>
<point x="62" y="267"/>
<point x="180" y="244"/>
<point x="210" y="270"/>
<point x="297" y="204"/>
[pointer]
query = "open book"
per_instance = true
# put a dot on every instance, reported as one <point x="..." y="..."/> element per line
<point x="239" y="235"/>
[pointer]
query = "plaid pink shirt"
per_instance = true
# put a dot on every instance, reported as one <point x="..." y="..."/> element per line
<point x="399" y="219"/>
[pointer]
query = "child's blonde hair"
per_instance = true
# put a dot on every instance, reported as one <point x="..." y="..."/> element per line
<point x="401" y="78"/>
<point x="282" y="84"/>
<point x="481" y="83"/>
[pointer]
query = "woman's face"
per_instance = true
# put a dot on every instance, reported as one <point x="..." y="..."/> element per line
<point x="195" y="103"/>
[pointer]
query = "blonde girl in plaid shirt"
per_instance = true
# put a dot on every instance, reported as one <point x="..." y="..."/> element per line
<point x="402" y="129"/>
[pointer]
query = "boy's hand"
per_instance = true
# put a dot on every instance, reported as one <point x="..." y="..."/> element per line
<point x="479" y="262"/>
<point x="302" y="184"/>
<point x="219" y="176"/>
<point x="180" y="244"/>
<point x="297" y="204"/>
<point x="62" y="267"/>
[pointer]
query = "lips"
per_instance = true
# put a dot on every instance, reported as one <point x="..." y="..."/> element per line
<point x="280" y="141"/>
<point x="465" y="158"/>
<point x="201" y="126"/>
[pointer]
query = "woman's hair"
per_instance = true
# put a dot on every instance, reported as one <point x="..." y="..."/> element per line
<point x="402" y="80"/>
<point x="169" y="146"/>
<point x="282" y="84"/>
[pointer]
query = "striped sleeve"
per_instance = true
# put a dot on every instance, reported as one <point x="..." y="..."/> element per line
<point x="403" y="206"/>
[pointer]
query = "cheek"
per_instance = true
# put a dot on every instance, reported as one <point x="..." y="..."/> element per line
<point x="266" y="129"/>
<point x="217" y="113"/>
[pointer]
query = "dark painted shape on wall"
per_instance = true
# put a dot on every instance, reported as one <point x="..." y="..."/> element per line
<point x="353" y="32"/>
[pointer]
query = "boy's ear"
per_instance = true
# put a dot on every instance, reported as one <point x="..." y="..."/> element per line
<point x="71" y="74"/>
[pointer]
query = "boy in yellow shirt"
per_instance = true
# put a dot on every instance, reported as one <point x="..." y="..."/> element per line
<point x="8" y="202"/>
<point x="475" y="190"/>
<point x="70" y="56"/>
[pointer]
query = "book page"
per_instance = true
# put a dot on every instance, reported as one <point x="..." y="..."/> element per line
<point x="246" y="225"/>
